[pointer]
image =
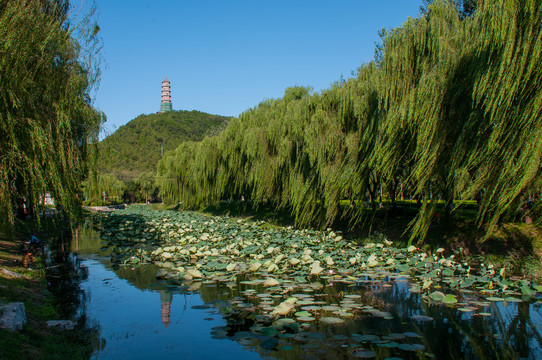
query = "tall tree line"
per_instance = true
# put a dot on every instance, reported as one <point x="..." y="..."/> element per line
<point x="49" y="64"/>
<point x="451" y="106"/>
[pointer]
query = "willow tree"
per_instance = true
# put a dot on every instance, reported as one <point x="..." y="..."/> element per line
<point x="467" y="91"/>
<point x="101" y="186"/>
<point x="451" y="108"/>
<point x="147" y="184"/>
<point x="48" y="68"/>
<point x="504" y="160"/>
<point x="417" y="133"/>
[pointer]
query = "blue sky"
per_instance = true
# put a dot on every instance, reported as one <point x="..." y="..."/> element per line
<point x="224" y="57"/>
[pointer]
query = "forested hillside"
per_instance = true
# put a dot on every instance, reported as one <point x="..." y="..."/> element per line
<point x="450" y="109"/>
<point x="137" y="146"/>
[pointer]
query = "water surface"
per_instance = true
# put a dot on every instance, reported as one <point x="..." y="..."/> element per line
<point x="141" y="317"/>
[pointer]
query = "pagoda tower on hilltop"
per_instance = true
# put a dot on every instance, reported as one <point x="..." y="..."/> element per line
<point x="165" y="105"/>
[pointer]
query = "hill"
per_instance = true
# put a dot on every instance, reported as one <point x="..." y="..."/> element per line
<point x="137" y="146"/>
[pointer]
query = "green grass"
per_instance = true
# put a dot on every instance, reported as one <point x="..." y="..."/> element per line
<point x="53" y="344"/>
<point x="242" y="209"/>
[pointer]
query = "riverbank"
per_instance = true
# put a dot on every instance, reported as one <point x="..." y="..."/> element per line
<point x="104" y="208"/>
<point x="20" y="284"/>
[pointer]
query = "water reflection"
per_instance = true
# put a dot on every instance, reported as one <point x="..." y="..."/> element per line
<point x="512" y="331"/>
<point x="64" y="273"/>
<point x="388" y="318"/>
<point x="166" y="297"/>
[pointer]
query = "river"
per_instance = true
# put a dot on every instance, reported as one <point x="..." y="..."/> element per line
<point x="141" y="317"/>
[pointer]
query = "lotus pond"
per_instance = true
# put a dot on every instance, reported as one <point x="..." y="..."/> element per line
<point x="182" y="284"/>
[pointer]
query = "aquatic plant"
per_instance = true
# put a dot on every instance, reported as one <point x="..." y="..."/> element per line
<point x="190" y="246"/>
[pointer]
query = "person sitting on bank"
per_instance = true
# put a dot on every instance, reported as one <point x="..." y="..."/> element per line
<point x="34" y="241"/>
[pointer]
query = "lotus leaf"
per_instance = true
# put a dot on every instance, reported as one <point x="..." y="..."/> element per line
<point x="194" y="273"/>
<point x="294" y="261"/>
<point x="332" y="320"/>
<point x="449" y="299"/>
<point x="437" y="296"/>
<point x="283" y="308"/>
<point x="426" y="284"/>
<point x="526" y="290"/>
<point x="513" y="299"/>
<point x="448" y="272"/>
<point x="403" y="268"/>
<point x="316" y="270"/>
<point x="391" y="344"/>
<point x="363" y="354"/>
<point x="269" y="331"/>
<point x="352" y="296"/>
<point x="411" y="347"/>
<point x="272" y="268"/>
<point x="421" y="318"/>
<point x="282" y="323"/>
<point x="494" y="299"/>
<point x="344" y="314"/>
<point x="254" y="267"/>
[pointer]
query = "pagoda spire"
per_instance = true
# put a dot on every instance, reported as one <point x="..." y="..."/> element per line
<point x="165" y="105"/>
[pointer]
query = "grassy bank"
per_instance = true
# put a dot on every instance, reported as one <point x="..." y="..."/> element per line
<point x="36" y="340"/>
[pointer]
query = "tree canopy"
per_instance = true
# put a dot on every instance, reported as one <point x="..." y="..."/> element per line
<point x="450" y="108"/>
<point x="49" y="64"/>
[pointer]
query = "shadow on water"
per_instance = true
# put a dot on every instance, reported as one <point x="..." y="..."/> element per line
<point x="65" y="273"/>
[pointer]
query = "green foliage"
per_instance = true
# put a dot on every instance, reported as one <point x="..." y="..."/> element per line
<point x="137" y="146"/>
<point x="451" y="109"/>
<point x="104" y="187"/>
<point x="48" y="67"/>
<point x="147" y="186"/>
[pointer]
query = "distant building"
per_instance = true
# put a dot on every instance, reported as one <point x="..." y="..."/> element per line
<point x="47" y="200"/>
<point x="165" y="105"/>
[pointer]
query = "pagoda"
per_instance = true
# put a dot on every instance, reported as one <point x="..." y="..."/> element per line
<point x="165" y="105"/>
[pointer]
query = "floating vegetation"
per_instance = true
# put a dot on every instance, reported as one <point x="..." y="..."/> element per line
<point x="280" y="301"/>
<point x="193" y="246"/>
